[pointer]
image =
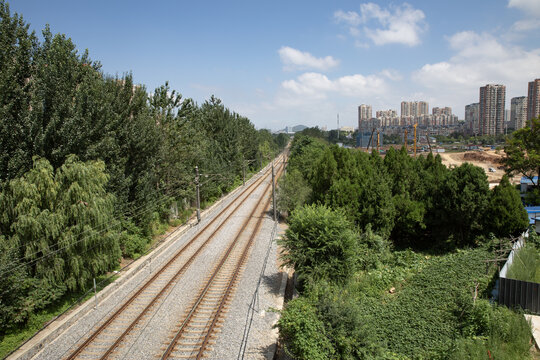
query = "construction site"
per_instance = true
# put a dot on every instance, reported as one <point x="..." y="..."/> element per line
<point x="454" y="155"/>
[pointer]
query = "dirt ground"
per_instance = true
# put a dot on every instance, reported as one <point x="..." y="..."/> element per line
<point x="484" y="159"/>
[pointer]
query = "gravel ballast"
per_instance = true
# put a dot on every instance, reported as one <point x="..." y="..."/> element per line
<point x="153" y="331"/>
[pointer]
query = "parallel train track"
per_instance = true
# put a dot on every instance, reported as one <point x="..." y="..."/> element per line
<point x="193" y="336"/>
<point x="132" y="315"/>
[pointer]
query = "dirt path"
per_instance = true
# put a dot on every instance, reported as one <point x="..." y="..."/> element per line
<point x="484" y="159"/>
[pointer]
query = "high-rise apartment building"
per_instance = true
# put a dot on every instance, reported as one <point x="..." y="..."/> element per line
<point x="364" y="115"/>
<point x="491" y="112"/>
<point x="471" y="118"/>
<point x="442" y="111"/>
<point x="413" y="111"/>
<point x="422" y="108"/>
<point x="518" y="112"/>
<point x="533" y="100"/>
<point x="387" y="117"/>
<point x="405" y="108"/>
<point x="443" y="116"/>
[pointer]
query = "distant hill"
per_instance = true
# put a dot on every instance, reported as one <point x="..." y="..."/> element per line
<point x="298" y="128"/>
<point x="293" y="129"/>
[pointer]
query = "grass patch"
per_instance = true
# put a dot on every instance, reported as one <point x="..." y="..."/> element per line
<point x="15" y="337"/>
<point x="526" y="265"/>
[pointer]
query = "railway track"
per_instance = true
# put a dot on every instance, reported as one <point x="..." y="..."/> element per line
<point x="193" y="337"/>
<point x="123" y="324"/>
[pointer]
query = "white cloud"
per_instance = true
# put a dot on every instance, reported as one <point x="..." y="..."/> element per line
<point x="350" y="17"/>
<point x="361" y="45"/>
<point x="530" y="7"/>
<point x="295" y="59"/>
<point x="392" y="74"/>
<point x="526" y="25"/>
<point x="397" y="24"/>
<point x="313" y="85"/>
<point x="470" y="44"/>
<point x="318" y="86"/>
<point x="479" y="59"/>
<point x="354" y="31"/>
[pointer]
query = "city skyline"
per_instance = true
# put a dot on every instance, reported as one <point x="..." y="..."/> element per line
<point x="489" y="116"/>
<point x="303" y="62"/>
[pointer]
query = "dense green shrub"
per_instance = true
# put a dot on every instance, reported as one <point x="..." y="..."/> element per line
<point x="417" y="307"/>
<point x="320" y="244"/>
<point x="303" y="332"/>
<point x="403" y="304"/>
<point x="417" y="202"/>
<point x="293" y="191"/>
<point x="499" y="333"/>
<point x="507" y="216"/>
<point x="348" y="327"/>
<point x="132" y="241"/>
<point x="373" y="250"/>
<point x="526" y="264"/>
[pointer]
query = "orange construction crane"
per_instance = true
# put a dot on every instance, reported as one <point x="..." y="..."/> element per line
<point x="378" y="141"/>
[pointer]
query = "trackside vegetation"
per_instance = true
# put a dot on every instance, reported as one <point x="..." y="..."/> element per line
<point x="526" y="263"/>
<point x="391" y="257"/>
<point x="92" y="166"/>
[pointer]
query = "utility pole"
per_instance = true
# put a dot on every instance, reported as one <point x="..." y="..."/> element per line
<point x="95" y="294"/>
<point x="273" y="192"/>
<point x="198" y="196"/>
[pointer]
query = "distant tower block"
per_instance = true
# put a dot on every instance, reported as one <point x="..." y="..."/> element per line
<point x="364" y="115"/>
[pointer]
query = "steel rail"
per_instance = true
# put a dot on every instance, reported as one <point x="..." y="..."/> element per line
<point x="231" y="282"/>
<point x="249" y="190"/>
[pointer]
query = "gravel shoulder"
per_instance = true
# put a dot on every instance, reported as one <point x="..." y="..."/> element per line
<point x="248" y="331"/>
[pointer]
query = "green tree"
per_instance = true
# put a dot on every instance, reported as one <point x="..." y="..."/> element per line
<point x="408" y="193"/>
<point x="293" y="191"/>
<point x="282" y="140"/>
<point x="320" y="244"/>
<point x="18" y="48"/>
<point x="325" y="172"/>
<point x="433" y="180"/>
<point x="57" y="224"/>
<point x="305" y="151"/>
<point x="314" y="132"/>
<point x="303" y="332"/>
<point x="465" y="199"/>
<point x="523" y="153"/>
<point x="507" y="216"/>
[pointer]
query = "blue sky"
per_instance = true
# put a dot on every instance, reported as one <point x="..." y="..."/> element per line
<point x="303" y="62"/>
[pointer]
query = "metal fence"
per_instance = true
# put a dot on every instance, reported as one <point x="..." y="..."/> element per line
<point x="517" y="293"/>
<point x="514" y="293"/>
